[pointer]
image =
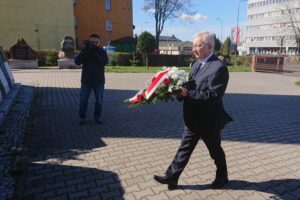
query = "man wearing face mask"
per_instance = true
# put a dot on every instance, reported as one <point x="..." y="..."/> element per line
<point x="93" y="59"/>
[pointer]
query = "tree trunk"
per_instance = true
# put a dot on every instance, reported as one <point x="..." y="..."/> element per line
<point x="157" y="40"/>
<point x="147" y="61"/>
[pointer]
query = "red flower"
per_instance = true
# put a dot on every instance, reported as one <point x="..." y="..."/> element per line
<point x="139" y="97"/>
<point x="167" y="81"/>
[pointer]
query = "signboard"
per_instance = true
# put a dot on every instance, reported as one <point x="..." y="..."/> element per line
<point x="109" y="49"/>
<point x="233" y="47"/>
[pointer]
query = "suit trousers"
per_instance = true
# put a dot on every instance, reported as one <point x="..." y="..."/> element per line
<point x="189" y="141"/>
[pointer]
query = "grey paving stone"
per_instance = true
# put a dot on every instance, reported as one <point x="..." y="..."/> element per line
<point x="121" y="155"/>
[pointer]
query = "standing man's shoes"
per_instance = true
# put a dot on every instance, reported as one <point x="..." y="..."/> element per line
<point x="219" y="183"/>
<point x="172" y="183"/>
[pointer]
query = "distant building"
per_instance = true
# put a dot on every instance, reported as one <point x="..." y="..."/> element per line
<point x="268" y="27"/>
<point x="42" y="23"/>
<point x="111" y="19"/>
<point x="169" y="39"/>
<point x="170" y="45"/>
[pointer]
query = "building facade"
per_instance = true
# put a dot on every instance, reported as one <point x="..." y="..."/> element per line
<point x="111" y="19"/>
<point x="176" y="48"/>
<point x="270" y="26"/>
<point x="171" y="45"/>
<point x="42" y="23"/>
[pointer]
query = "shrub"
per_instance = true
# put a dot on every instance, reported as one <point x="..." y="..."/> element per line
<point x="51" y="57"/>
<point x="112" y="60"/>
<point x="134" y="61"/>
<point x="240" y="60"/>
<point x="121" y="59"/>
<point x="170" y="60"/>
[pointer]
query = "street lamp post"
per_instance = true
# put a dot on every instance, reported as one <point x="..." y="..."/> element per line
<point x="237" y="22"/>
<point x="38" y="39"/>
<point x="142" y="25"/>
<point x="221" y="28"/>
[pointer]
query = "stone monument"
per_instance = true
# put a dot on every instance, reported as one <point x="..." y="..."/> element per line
<point x="22" y="55"/>
<point x="67" y="54"/>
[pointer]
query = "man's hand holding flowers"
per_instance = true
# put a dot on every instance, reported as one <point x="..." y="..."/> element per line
<point x="163" y="86"/>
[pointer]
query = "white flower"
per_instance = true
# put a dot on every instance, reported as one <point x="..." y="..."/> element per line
<point x="179" y="82"/>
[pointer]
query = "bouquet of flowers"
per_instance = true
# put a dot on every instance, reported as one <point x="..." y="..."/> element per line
<point x="163" y="86"/>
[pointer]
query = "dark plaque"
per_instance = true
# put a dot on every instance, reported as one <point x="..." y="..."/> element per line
<point x="21" y="53"/>
<point x="20" y="50"/>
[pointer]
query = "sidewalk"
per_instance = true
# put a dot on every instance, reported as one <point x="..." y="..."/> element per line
<point x="117" y="160"/>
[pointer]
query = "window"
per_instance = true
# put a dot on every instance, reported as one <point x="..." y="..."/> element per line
<point x="107" y="5"/>
<point x="108" y="25"/>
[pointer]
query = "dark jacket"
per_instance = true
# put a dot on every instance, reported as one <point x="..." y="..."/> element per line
<point x="203" y="107"/>
<point x="93" y="62"/>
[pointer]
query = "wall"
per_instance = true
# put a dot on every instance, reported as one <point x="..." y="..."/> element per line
<point x="42" y="23"/>
<point x="91" y="17"/>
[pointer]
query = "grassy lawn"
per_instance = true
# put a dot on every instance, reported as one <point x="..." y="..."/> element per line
<point x="298" y="83"/>
<point x="143" y="69"/>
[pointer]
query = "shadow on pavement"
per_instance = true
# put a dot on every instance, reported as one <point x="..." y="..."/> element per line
<point x="69" y="182"/>
<point x="53" y="132"/>
<point x="282" y="189"/>
<point x="54" y="120"/>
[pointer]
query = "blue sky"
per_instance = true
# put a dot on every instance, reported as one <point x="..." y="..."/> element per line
<point x="204" y="19"/>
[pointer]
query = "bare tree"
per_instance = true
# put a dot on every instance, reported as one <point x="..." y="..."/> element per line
<point x="292" y="14"/>
<point x="164" y="10"/>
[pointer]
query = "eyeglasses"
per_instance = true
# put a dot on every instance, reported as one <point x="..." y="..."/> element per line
<point x="199" y="46"/>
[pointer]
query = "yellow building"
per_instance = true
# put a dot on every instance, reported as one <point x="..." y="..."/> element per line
<point x="111" y="19"/>
<point x="42" y="23"/>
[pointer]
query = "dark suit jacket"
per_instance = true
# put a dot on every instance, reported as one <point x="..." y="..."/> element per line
<point x="203" y="107"/>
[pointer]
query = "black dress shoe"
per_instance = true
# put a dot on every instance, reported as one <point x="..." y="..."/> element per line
<point x="218" y="183"/>
<point x="172" y="182"/>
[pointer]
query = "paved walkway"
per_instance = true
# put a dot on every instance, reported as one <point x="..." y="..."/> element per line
<point x="117" y="160"/>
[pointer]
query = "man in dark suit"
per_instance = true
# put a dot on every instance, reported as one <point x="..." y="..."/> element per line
<point x="204" y="114"/>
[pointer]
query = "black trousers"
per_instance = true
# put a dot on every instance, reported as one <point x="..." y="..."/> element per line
<point x="189" y="141"/>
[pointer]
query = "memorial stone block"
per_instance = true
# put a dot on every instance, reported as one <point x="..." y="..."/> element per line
<point x="23" y="56"/>
<point x="20" y="50"/>
<point x="67" y="48"/>
<point x="67" y="54"/>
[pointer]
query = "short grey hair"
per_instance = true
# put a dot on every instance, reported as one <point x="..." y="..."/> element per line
<point x="207" y="37"/>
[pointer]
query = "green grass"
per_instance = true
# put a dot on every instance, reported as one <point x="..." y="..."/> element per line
<point x="136" y="69"/>
<point x="239" y="69"/>
<point x="143" y="69"/>
<point x="298" y="83"/>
